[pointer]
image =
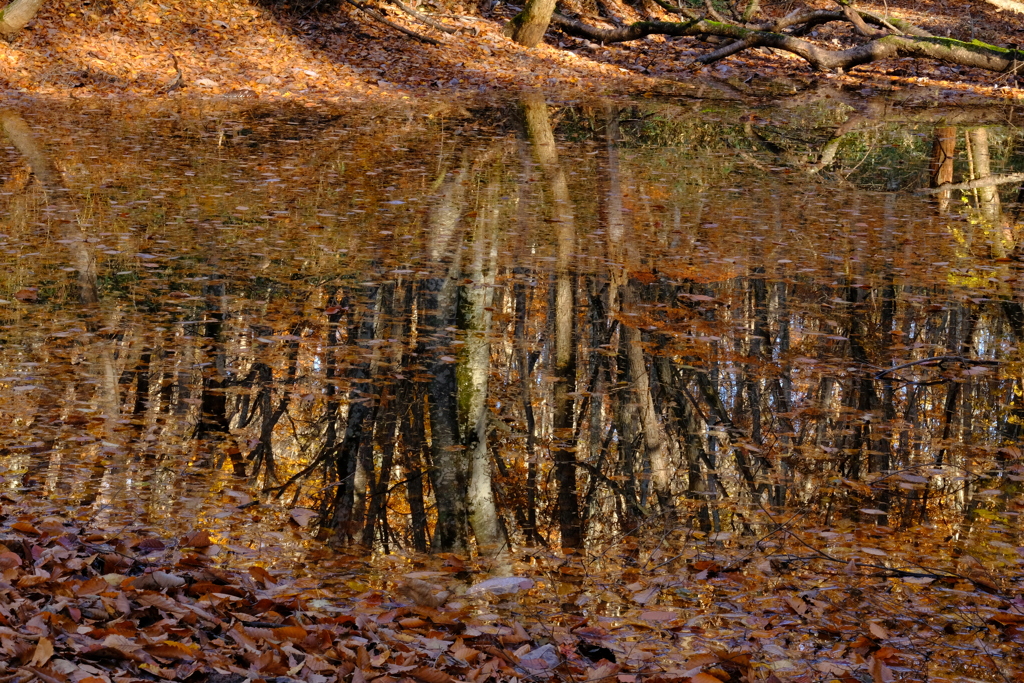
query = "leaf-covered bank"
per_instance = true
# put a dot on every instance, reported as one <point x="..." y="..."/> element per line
<point x="330" y="51"/>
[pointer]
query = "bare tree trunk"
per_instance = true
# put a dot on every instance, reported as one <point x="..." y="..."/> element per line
<point x="16" y="16"/>
<point x="528" y="27"/>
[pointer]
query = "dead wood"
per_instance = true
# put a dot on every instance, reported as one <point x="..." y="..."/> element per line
<point x="972" y="54"/>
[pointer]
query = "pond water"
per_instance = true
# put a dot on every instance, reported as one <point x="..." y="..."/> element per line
<point x="578" y="320"/>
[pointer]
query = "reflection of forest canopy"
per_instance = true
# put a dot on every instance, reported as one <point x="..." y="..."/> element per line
<point x="505" y="337"/>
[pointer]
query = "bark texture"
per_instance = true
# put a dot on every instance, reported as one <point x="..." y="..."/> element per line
<point x="16" y="15"/>
<point x="528" y="27"/>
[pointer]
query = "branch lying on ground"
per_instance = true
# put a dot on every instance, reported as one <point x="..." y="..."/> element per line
<point x="973" y="54"/>
<point x="374" y="14"/>
<point x="422" y="18"/>
<point x="687" y="12"/>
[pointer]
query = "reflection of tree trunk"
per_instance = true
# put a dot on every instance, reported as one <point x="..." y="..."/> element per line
<point x="530" y="532"/>
<point x="688" y="422"/>
<point x="861" y="394"/>
<point x="988" y="195"/>
<point x="449" y="471"/>
<point x="654" y="436"/>
<point x="474" y="320"/>
<point x="414" y="441"/>
<point x="213" y="411"/>
<point x="376" y="514"/>
<point x="961" y="343"/>
<point x="347" y="519"/>
<point x="542" y="140"/>
<point x="943" y="155"/>
<point x="20" y="135"/>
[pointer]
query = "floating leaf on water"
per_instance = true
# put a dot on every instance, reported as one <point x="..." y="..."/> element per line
<point x="199" y="538"/>
<point x="658" y="615"/>
<point x="501" y="585"/>
<point x="303" y="516"/>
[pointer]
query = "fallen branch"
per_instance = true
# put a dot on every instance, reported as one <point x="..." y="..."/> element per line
<point x="713" y="12"/>
<point x="859" y="25"/>
<point x="973" y="54"/>
<point x="422" y="18"/>
<point x="687" y="12"/>
<point x="818" y="17"/>
<point x="374" y="14"/>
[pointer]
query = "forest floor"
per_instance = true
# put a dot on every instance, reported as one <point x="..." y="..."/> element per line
<point x="806" y="601"/>
<point x="273" y="51"/>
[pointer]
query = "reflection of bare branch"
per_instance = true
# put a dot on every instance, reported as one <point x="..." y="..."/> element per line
<point x="20" y="135"/>
<point x="990" y="181"/>
<point x="828" y="152"/>
<point x="937" y="360"/>
<point x="49" y="176"/>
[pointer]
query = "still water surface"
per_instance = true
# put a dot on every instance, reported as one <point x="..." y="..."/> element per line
<point x="697" y="310"/>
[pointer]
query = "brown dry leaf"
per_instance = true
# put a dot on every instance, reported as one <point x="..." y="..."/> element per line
<point x="170" y="649"/>
<point x="26" y="528"/>
<point x="704" y="678"/>
<point x="604" y="670"/>
<point x="93" y="586"/>
<point x="43" y="652"/>
<point x="9" y="560"/>
<point x="460" y="651"/>
<point x="797" y="603"/>
<point x="431" y="675"/>
<point x="880" y="673"/>
<point x="165" y="580"/>
<point x="262" y="575"/>
<point x="295" y="634"/>
<point x="658" y="615"/>
<point x="199" y="538"/>
<point x="303" y="516"/>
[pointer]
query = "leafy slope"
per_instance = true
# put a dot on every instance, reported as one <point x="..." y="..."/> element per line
<point x="241" y="49"/>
